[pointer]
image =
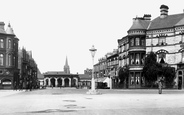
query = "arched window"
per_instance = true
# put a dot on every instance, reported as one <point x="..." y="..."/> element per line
<point x="9" y="60"/>
<point x="161" y="57"/>
<point x="1" y="43"/>
<point x="1" y="59"/>
<point x="9" y="43"/>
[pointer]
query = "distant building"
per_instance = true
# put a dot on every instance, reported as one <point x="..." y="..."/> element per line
<point x="61" y="78"/>
<point x="9" y="71"/>
<point x="28" y="75"/>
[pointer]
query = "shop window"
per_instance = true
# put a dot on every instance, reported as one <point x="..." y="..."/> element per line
<point x="132" y="81"/>
<point x="137" y="76"/>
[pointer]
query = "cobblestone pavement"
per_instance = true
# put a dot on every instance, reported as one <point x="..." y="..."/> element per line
<point x="68" y="101"/>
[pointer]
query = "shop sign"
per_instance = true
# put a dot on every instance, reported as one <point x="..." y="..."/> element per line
<point x="6" y="83"/>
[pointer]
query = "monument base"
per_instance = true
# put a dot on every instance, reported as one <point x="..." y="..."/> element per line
<point x="93" y="92"/>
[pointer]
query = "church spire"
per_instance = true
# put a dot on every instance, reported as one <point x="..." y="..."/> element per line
<point x="66" y="67"/>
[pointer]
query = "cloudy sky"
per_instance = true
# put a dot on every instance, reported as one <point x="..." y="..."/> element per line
<point x="54" y="29"/>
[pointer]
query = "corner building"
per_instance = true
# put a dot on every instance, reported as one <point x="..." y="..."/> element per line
<point x="9" y="71"/>
<point x="163" y="35"/>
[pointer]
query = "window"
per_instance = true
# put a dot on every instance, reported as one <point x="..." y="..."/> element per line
<point x="182" y="38"/>
<point x="182" y="60"/>
<point x="9" y="43"/>
<point x="137" y="78"/>
<point x="9" y="60"/>
<point x="161" y="57"/>
<point x="1" y="59"/>
<point x="132" y="78"/>
<point x="131" y="59"/>
<point x="161" y="41"/>
<point x="137" y="59"/>
<point x="142" y="58"/>
<point x="142" y="42"/>
<point x="1" y="43"/>
<point x="132" y="42"/>
<point x="137" y="41"/>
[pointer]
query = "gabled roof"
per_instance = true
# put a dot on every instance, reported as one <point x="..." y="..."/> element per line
<point x="139" y="24"/>
<point x="167" y="22"/>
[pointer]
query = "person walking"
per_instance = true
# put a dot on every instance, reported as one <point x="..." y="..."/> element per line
<point x="160" y="87"/>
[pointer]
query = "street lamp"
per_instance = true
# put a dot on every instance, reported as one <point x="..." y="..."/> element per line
<point x="93" y="90"/>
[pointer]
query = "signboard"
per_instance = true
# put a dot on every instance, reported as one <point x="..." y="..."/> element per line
<point x="6" y="83"/>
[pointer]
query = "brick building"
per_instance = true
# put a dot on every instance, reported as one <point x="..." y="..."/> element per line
<point x="9" y="71"/>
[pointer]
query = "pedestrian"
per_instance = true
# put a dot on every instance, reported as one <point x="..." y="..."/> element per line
<point x="160" y="87"/>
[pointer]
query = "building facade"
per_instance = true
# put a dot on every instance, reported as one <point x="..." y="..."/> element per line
<point x="9" y="71"/>
<point x="28" y="77"/>
<point x="61" y="78"/>
<point x="163" y="35"/>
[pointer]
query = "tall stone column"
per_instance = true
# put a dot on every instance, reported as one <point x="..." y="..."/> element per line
<point x="49" y="81"/>
<point x="56" y="82"/>
<point x="70" y="82"/>
<point x="63" y="82"/>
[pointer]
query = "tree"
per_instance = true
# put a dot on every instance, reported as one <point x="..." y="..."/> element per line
<point x="169" y="74"/>
<point x="151" y="69"/>
<point x="123" y="74"/>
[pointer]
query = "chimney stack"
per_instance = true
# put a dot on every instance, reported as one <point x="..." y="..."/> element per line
<point x="2" y="25"/>
<point x="163" y="11"/>
<point x="147" y="16"/>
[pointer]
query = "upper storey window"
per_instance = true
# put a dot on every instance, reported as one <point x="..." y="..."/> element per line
<point x="162" y="41"/>
<point x="1" y="59"/>
<point x="1" y="43"/>
<point x="132" y="42"/>
<point x="137" y="41"/>
<point x="9" y="43"/>
<point x="182" y="38"/>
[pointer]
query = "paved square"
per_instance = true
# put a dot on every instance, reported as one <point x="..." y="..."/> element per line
<point x="76" y="102"/>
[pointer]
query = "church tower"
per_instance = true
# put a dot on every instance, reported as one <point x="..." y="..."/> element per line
<point x="66" y="67"/>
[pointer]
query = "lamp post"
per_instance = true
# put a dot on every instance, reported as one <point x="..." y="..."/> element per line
<point x="93" y="90"/>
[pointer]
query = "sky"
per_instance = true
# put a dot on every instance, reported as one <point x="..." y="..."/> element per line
<point x="56" y="29"/>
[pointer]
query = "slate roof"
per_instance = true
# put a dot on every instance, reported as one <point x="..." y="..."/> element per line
<point x="54" y="72"/>
<point x="167" y="22"/>
<point x="85" y="77"/>
<point x="139" y="24"/>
